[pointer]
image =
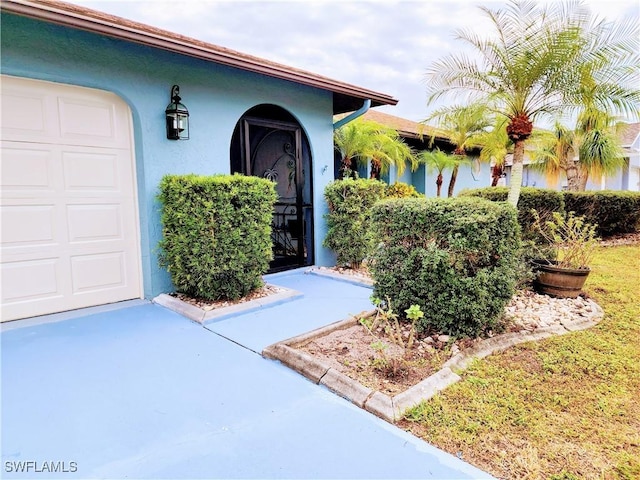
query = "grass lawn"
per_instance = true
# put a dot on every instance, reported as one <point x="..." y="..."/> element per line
<point x="564" y="408"/>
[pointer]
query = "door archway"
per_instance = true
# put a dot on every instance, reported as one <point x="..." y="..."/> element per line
<point x="269" y="142"/>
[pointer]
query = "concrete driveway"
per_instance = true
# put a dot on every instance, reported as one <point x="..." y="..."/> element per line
<point x="142" y="392"/>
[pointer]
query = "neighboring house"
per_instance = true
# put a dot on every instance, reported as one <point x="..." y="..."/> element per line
<point x="418" y="136"/>
<point x="626" y="178"/>
<point x="84" y="147"/>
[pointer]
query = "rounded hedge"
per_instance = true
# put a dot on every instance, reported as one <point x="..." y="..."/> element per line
<point x="456" y="258"/>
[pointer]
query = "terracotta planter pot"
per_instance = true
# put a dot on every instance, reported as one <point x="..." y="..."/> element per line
<point x="557" y="281"/>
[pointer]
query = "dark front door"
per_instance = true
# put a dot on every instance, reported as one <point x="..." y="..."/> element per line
<point x="273" y="150"/>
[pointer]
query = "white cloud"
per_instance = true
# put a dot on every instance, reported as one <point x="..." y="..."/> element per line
<point x="380" y="45"/>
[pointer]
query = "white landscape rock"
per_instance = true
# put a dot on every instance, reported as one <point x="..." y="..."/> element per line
<point x="529" y="311"/>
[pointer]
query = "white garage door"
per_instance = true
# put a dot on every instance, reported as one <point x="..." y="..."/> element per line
<point x="69" y="236"/>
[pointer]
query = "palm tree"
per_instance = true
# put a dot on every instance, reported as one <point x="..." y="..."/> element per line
<point x="437" y="160"/>
<point x="591" y="148"/>
<point x="353" y="141"/>
<point x="554" y="151"/>
<point x="543" y="60"/>
<point x="599" y="152"/>
<point x="391" y="150"/>
<point x="494" y="147"/>
<point x="363" y="141"/>
<point x="461" y="124"/>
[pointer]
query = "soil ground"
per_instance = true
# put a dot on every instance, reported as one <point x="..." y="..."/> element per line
<point x="375" y="361"/>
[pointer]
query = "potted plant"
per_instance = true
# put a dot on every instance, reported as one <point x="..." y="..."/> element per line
<point x="564" y="266"/>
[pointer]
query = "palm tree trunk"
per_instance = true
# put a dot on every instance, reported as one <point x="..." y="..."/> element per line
<point x="452" y="182"/>
<point x="573" y="176"/>
<point x="375" y="169"/>
<point x="584" y="176"/>
<point x="495" y="175"/>
<point x="516" y="173"/>
<point x="439" y="184"/>
<point x="345" y="168"/>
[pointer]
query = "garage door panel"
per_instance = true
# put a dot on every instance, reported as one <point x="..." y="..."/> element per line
<point x="109" y="125"/>
<point x="42" y="112"/>
<point x="73" y="112"/>
<point x="69" y="221"/>
<point x="25" y="115"/>
<point x="98" y="272"/>
<point x="27" y="225"/>
<point x="86" y="171"/>
<point x="90" y="223"/>
<point x="26" y="168"/>
<point x="31" y="280"/>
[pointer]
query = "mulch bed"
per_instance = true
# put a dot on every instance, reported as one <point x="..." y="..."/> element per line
<point x="207" y="304"/>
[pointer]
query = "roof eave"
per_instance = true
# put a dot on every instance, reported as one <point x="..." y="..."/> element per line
<point x="60" y="13"/>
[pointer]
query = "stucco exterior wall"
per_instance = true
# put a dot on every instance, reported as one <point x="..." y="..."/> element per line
<point x="467" y="178"/>
<point x="626" y="178"/>
<point x="425" y="182"/>
<point x="216" y="97"/>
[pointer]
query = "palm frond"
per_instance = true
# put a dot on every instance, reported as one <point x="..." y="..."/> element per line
<point x="600" y="154"/>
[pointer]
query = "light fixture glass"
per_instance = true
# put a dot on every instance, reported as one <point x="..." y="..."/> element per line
<point x="177" y="117"/>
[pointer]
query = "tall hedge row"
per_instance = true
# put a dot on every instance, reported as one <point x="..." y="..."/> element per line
<point x="216" y="233"/>
<point x="543" y="201"/>
<point x="456" y="258"/>
<point x="613" y="212"/>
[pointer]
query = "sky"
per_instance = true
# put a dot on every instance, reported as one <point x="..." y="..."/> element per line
<point x="385" y="46"/>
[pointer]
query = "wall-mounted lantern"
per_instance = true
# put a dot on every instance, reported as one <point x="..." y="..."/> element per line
<point x="177" y="117"/>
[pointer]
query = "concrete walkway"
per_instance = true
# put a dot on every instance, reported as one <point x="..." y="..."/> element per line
<point x="142" y="392"/>
<point x="324" y="301"/>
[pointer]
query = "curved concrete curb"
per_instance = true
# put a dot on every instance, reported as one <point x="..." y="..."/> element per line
<point x="341" y="277"/>
<point x="393" y="408"/>
<point x="203" y="316"/>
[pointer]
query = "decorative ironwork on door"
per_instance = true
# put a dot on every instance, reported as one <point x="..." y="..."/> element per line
<point x="273" y="150"/>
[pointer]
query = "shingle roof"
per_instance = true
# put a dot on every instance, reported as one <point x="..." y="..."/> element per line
<point x="346" y="97"/>
<point x="406" y="128"/>
<point x="629" y="134"/>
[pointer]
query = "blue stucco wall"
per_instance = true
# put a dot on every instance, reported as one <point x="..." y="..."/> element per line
<point x="467" y="178"/>
<point x="470" y="178"/>
<point x="393" y="175"/>
<point x="418" y="179"/>
<point x="425" y="182"/>
<point x="216" y="97"/>
<point x="617" y="181"/>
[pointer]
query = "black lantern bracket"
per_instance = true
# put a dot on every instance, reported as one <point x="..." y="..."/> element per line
<point x="177" y="117"/>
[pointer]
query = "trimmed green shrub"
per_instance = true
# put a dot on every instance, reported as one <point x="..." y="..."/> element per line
<point x="614" y="212"/>
<point x="543" y="201"/>
<point x="349" y="219"/>
<point x="401" y="190"/>
<point x="216" y="233"/>
<point x="456" y="258"/>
